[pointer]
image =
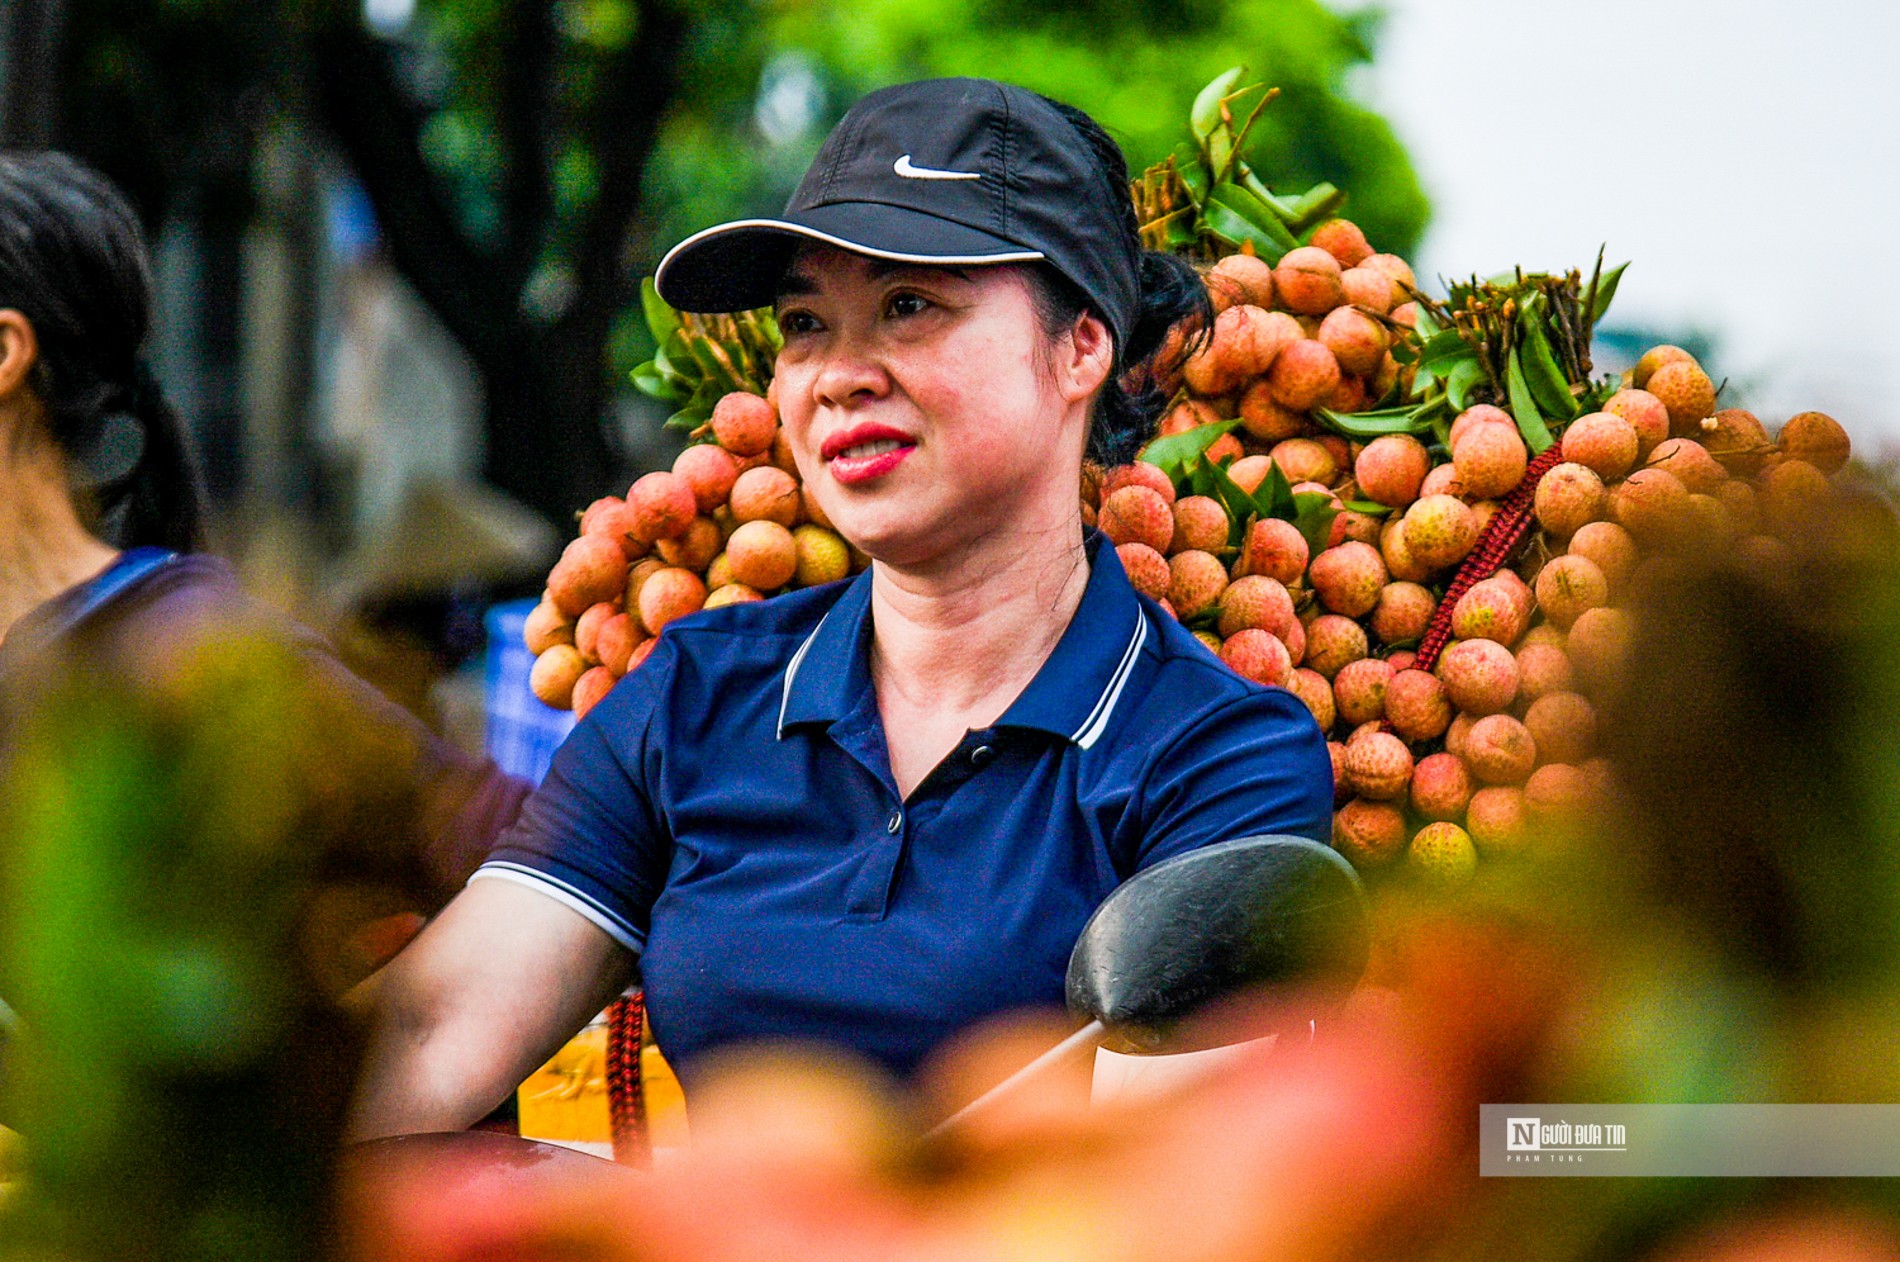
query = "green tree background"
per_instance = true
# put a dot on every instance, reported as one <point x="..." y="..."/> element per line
<point x="528" y="160"/>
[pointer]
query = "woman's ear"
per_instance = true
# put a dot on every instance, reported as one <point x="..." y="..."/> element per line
<point x="1086" y="359"/>
<point x="19" y="351"/>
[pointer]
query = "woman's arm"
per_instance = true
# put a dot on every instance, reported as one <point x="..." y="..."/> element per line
<point x="475" y="1004"/>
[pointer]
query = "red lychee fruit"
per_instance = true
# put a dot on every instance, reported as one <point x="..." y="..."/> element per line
<point x="762" y="555"/>
<point x="587" y="630"/>
<point x="1650" y="504"/>
<point x="1567" y="586"/>
<point x="1307" y="281"/>
<point x="1564" y="727"/>
<point x="1348" y="578"/>
<point x="1476" y="415"/>
<point x="1359" y="690"/>
<point x="1369" y="834"/>
<point x="1393" y="266"/>
<point x="1442" y="480"/>
<point x="1305" y="460"/>
<point x="1311" y="687"/>
<point x="744" y="424"/>
<point x="1391" y="469"/>
<point x="1646" y="415"/>
<point x="1273" y="548"/>
<point x="1737" y="439"/>
<point x="710" y="471"/>
<point x="1690" y="463"/>
<point x="1439" y="531"/>
<point x="1186" y="415"/>
<point x="1490" y="460"/>
<point x="1303" y="374"/>
<point x="1257" y="655"/>
<point x="1140" y="473"/>
<point x="1332" y="642"/>
<point x="823" y="556"/>
<point x="1196" y="582"/>
<point x="1500" y="750"/>
<point x="1498" y="820"/>
<point x="1602" y="442"/>
<point x="1379" y="766"/>
<point x="1403" y="612"/>
<point x="766" y="493"/>
<point x="1373" y="290"/>
<point x="1543" y="669"/>
<point x="1815" y="438"/>
<point x="554" y="675"/>
<point x="1417" y="705"/>
<point x="1599" y="649"/>
<point x="1687" y="393"/>
<point x="669" y="593"/>
<point x="1654" y="358"/>
<point x="1441" y="787"/>
<point x="1490" y="610"/>
<point x="731" y="594"/>
<point x="1610" y="547"/>
<point x="613" y="518"/>
<point x="1342" y="239"/>
<point x="591" y="569"/>
<point x="1443" y="854"/>
<point x="1263" y="417"/>
<point x="1147" y="569"/>
<point x="546" y="627"/>
<point x="1255" y="600"/>
<point x="1557" y="793"/>
<point x="663" y="506"/>
<point x="591" y="688"/>
<point x="1356" y="340"/>
<point x="1399" y="561"/>
<point x="1242" y="279"/>
<point x="1480" y="675"/>
<point x="1568" y="498"/>
<point x="619" y="636"/>
<point x="695" y="549"/>
<point x="1200" y="524"/>
<point x="1136" y="514"/>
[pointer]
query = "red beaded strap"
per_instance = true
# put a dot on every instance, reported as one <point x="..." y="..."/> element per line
<point x="1502" y="535"/>
<point x="626" y="1094"/>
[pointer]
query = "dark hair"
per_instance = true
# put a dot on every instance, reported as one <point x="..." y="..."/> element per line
<point x="1171" y="292"/>
<point x="73" y="262"/>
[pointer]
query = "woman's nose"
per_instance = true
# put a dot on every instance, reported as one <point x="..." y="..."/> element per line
<point x="848" y="375"/>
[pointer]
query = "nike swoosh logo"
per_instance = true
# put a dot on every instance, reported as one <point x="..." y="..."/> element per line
<point x="904" y="168"/>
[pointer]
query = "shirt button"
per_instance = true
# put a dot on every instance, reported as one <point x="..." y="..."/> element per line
<point x="980" y="755"/>
<point x="896" y="822"/>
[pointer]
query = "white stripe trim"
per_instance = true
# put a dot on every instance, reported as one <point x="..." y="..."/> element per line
<point x="791" y="672"/>
<point x="564" y="894"/>
<point x="946" y="260"/>
<point x="1097" y="721"/>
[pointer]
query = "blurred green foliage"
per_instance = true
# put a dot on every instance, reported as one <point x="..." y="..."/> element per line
<point x="181" y="867"/>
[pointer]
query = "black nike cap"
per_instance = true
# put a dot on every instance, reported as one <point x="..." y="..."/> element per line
<point x="951" y="172"/>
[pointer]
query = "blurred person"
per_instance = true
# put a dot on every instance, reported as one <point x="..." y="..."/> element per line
<point x="872" y="814"/>
<point x="101" y="510"/>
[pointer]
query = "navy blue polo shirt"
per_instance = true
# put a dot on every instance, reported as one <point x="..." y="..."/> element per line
<point x="728" y="813"/>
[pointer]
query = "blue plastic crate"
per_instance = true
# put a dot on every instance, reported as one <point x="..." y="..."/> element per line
<point x="521" y="733"/>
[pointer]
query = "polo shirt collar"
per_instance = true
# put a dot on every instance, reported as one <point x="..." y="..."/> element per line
<point x="1072" y="696"/>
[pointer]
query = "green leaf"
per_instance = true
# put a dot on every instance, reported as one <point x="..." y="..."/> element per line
<point x="1275" y="494"/>
<point x="1280" y="206"/>
<point x="662" y="320"/>
<point x="689" y="418"/>
<point x="1240" y="506"/>
<point x="1606" y="290"/>
<point x="1530" y="422"/>
<point x="1232" y="226"/>
<point x="1315" y="206"/>
<point x="1441" y="347"/>
<point x="1371" y="508"/>
<point x="1411" y="419"/>
<point x="1256" y="212"/>
<point x="1205" y="114"/>
<point x="650" y="381"/>
<point x="1549" y="386"/>
<point x="1173" y="454"/>
<point x="1313" y="516"/>
<point x="1464" y="377"/>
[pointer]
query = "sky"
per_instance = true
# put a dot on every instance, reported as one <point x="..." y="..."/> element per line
<point x="1741" y="156"/>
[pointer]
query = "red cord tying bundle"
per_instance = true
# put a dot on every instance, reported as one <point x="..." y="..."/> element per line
<point x="626" y="1093"/>
<point x="1500" y="540"/>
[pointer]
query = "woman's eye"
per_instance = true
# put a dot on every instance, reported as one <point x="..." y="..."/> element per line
<point x="908" y="304"/>
<point x="791" y="322"/>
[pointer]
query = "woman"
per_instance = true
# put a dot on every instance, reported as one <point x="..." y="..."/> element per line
<point x="873" y="813"/>
<point x="100" y="506"/>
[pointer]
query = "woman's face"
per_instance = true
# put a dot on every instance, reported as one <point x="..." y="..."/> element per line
<point x="926" y="407"/>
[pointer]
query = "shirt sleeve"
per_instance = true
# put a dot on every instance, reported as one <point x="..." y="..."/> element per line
<point x="1257" y="764"/>
<point x="592" y="836"/>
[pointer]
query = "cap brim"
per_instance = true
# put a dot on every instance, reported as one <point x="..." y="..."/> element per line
<point x="737" y="266"/>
